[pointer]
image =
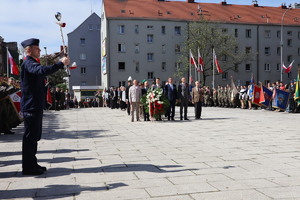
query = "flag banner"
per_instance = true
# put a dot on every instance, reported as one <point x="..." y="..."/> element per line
<point x="256" y="94"/>
<point x="280" y="99"/>
<point x="265" y="96"/>
<point x="15" y="98"/>
<point x="217" y="63"/>
<point x="297" y="90"/>
<point x="192" y="60"/>
<point x="13" y="65"/>
<point x="200" y="62"/>
<point x="289" y="68"/>
<point x="49" y="97"/>
<point x="234" y="90"/>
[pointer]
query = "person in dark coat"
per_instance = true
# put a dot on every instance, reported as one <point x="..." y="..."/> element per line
<point x="171" y="94"/>
<point x="184" y="97"/>
<point x="32" y="103"/>
<point x="57" y="98"/>
<point x="144" y="92"/>
<point x="127" y="96"/>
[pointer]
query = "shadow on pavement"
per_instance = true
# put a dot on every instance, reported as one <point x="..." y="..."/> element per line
<point x="54" y="191"/>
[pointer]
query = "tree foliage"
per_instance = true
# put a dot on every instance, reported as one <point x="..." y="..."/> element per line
<point x="206" y="35"/>
<point x="56" y="78"/>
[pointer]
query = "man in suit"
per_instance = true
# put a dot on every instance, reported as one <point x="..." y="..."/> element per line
<point x="197" y="99"/>
<point x="134" y="96"/>
<point x="171" y="94"/>
<point x="184" y="96"/>
<point x="144" y="92"/>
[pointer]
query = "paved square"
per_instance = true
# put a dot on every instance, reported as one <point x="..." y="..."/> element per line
<point x="97" y="153"/>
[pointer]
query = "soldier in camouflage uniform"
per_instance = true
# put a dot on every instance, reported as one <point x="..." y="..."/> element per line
<point x="215" y="97"/>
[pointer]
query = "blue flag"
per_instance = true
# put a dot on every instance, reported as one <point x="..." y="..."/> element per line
<point x="265" y="96"/>
<point x="280" y="99"/>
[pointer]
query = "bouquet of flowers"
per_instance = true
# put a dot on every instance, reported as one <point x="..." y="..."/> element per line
<point x="155" y="102"/>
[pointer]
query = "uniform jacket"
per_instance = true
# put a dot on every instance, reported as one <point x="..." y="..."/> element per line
<point x="197" y="95"/>
<point x="33" y="83"/>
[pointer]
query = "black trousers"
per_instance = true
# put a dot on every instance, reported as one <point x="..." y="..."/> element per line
<point x="198" y="109"/>
<point x="183" y="106"/>
<point x="32" y="134"/>
<point x="171" y="109"/>
<point x="128" y="107"/>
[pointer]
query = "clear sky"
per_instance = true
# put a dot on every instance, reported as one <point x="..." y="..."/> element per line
<point x="23" y="19"/>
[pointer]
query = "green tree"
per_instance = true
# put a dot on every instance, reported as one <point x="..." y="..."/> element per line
<point x="58" y="77"/>
<point x="206" y="35"/>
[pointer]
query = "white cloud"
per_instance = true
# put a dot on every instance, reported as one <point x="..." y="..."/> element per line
<point x="23" y="19"/>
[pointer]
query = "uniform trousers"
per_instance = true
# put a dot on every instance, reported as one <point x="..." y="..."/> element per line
<point x="32" y="134"/>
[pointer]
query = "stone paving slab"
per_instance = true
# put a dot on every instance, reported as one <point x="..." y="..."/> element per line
<point x="97" y="153"/>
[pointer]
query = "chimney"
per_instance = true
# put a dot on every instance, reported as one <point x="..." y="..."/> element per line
<point x="224" y="3"/>
<point x="283" y="6"/>
<point x="191" y="1"/>
<point x="255" y="5"/>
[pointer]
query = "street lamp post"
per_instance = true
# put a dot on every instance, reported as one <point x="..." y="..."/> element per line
<point x="281" y="42"/>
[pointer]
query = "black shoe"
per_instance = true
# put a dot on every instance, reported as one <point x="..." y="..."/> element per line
<point x="186" y="119"/>
<point x="181" y="118"/>
<point x="41" y="167"/>
<point x="168" y="119"/>
<point x="173" y="119"/>
<point x="9" y="132"/>
<point x="32" y="172"/>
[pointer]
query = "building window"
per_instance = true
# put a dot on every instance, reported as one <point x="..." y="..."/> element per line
<point x="224" y="58"/>
<point x="82" y="56"/>
<point x="137" y="48"/>
<point x="267" y="51"/>
<point x="82" y="41"/>
<point x="136" y="29"/>
<point x="177" y="30"/>
<point x="121" y="29"/>
<point x="224" y="76"/>
<point x="149" y="27"/>
<point x="278" y="34"/>
<point x="290" y="33"/>
<point x="83" y="83"/>
<point x="98" y="27"/>
<point x="224" y="30"/>
<point x="236" y="32"/>
<point x="267" y="67"/>
<point x="289" y="58"/>
<point x="289" y="42"/>
<point x="298" y="51"/>
<point x="137" y="67"/>
<point x="248" y="67"/>
<point x="248" y="50"/>
<point x="121" y="83"/>
<point x="121" y="48"/>
<point x="163" y="66"/>
<point x="248" y="33"/>
<point x="150" y="75"/>
<point x="177" y="48"/>
<point x="267" y="34"/>
<point x="163" y="30"/>
<point x="163" y="48"/>
<point x="90" y="27"/>
<point x="121" y="65"/>
<point x="278" y="51"/>
<point x="82" y="70"/>
<point x="149" y="38"/>
<point x="299" y="35"/>
<point x="278" y="67"/>
<point x="289" y="75"/>
<point x="150" y="57"/>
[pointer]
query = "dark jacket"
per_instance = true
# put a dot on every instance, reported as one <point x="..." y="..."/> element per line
<point x="33" y="83"/>
<point x="169" y="93"/>
<point x="186" y="92"/>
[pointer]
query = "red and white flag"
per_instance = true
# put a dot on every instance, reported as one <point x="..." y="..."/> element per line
<point x="16" y="100"/>
<point x="192" y="60"/>
<point x="13" y="65"/>
<point x="200" y="62"/>
<point x="217" y="63"/>
<point x="289" y="68"/>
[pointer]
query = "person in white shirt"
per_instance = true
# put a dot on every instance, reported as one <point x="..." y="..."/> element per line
<point x="134" y="96"/>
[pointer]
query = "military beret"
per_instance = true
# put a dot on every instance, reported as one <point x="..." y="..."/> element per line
<point x="29" y="42"/>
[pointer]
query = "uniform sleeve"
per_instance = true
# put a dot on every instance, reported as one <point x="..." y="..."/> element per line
<point x="36" y="68"/>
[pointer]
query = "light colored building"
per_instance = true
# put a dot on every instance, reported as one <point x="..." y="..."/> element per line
<point x="143" y="38"/>
<point x="85" y="50"/>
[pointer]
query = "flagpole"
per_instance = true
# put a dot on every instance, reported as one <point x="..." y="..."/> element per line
<point x="7" y="63"/>
<point x="190" y="69"/>
<point x="213" y="83"/>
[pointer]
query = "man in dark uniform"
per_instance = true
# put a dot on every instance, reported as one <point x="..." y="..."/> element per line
<point x="32" y="103"/>
<point x="171" y="94"/>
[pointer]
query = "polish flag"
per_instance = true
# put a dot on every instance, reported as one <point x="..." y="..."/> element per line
<point x="217" y="63"/>
<point x="200" y="62"/>
<point x="192" y="60"/>
<point x="13" y="65"/>
<point x="289" y="68"/>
